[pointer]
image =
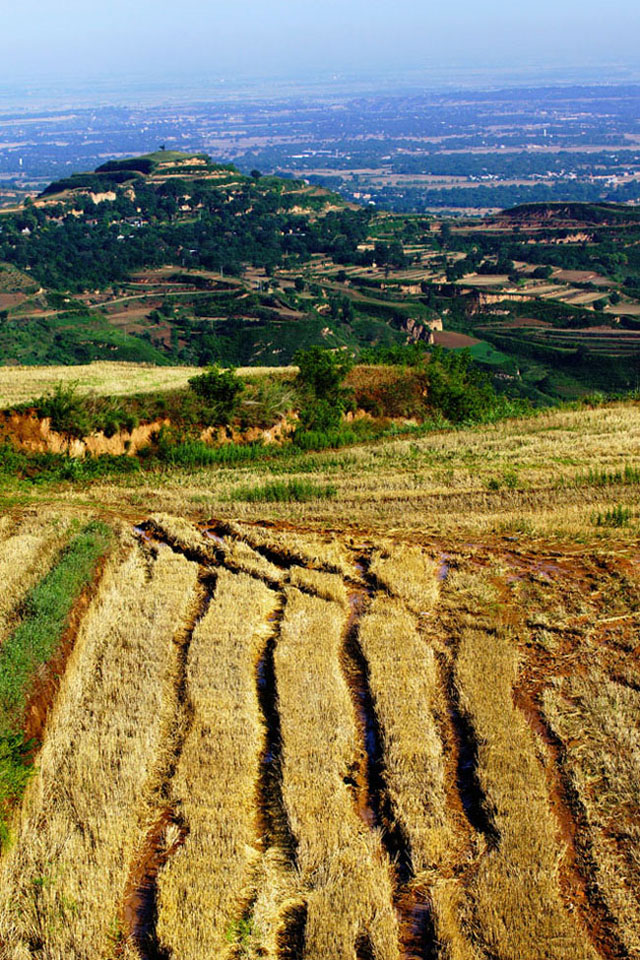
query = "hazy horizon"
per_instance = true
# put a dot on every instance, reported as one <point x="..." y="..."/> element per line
<point x="193" y="43"/>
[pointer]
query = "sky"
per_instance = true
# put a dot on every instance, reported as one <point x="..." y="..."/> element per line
<point x="156" y="39"/>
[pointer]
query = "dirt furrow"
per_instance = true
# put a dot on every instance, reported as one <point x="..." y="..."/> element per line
<point x="468" y="786"/>
<point x="290" y="942"/>
<point x="273" y="822"/>
<point x="168" y="833"/>
<point x="371" y="798"/>
<point x="577" y="869"/>
<point x="417" y="937"/>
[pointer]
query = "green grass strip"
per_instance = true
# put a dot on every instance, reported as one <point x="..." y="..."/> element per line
<point x="45" y="617"/>
<point x="298" y="491"/>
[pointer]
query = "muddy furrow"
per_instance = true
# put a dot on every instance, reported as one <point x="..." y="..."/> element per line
<point x="373" y="802"/>
<point x="577" y="871"/>
<point x="347" y="877"/>
<point x="290" y="941"/>
<point x="371" y="798"/>
<point x="417" y="934"/>
<point x="168" y="833"/>
<point x="418" y="939"/>
<point x="220" y="531"/>
<point x="279" y="556"/>
<point x="286" y="924"/>
<point x="273" y="821"/>
<point x="467" y="782"/>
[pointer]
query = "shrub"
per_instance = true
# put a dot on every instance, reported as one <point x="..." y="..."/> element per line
<point x="66" y="409"/>
<point x="221" y="389"/>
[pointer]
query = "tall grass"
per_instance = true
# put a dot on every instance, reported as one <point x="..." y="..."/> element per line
<point x="627" y="476"/>
<point x="617" y="516"/>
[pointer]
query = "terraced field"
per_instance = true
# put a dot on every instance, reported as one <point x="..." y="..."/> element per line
<point x="259" y="741"/>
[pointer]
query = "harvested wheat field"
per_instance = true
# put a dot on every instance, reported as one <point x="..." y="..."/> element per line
<point x="255" y="741"/>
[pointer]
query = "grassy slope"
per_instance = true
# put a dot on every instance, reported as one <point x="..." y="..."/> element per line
<point x="548" y="474"/>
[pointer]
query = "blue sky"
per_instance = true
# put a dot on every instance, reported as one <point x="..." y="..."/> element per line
<point x="280" y="37"/>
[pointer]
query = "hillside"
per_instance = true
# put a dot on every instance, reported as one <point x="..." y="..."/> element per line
<point x="170" y="258"/>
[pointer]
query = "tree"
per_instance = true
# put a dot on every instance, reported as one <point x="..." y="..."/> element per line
<point x="444" y="235"/>
<point x="321" y="376"/>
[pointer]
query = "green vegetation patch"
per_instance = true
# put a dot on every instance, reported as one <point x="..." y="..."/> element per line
<point x="298" y="491"/>
<point x="34" y="642"/>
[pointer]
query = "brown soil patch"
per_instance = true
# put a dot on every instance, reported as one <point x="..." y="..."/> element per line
<point x="9" y="300"/>
<point x="447" y="338"/>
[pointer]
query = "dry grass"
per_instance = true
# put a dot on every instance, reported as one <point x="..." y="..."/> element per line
<point x="327" y="586"/>
<point x="245" y="558"/>
<point x="403" y="677"/>
<point x="207" y="887"/>
<point x="347" y="877"/>
<point x="7" y="526"/>
<point x="238" y="554"/>
<point x="21" y="384"/>
<point x="519" y="911"/>
<point x="308" y="549"/>
<point x="508" y="894"/>
<point x="597" y="723"/>
<point x="84" y="812"/>
<point x="452" y="920"/>
<point x="406" y="572"/>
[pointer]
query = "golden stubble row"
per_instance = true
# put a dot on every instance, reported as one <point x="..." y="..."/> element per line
<point x="597" y="721"/>
<point x="404" y="682"/>
<point x="345" y="873"/>
<point x="85" y="812"/>
<point x="207" y="889"/>
<point x="406" y="687"/>
<point x="519" y="910"/>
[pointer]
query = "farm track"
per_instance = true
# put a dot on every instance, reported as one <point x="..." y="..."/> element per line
<point x="322" y="784"/>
